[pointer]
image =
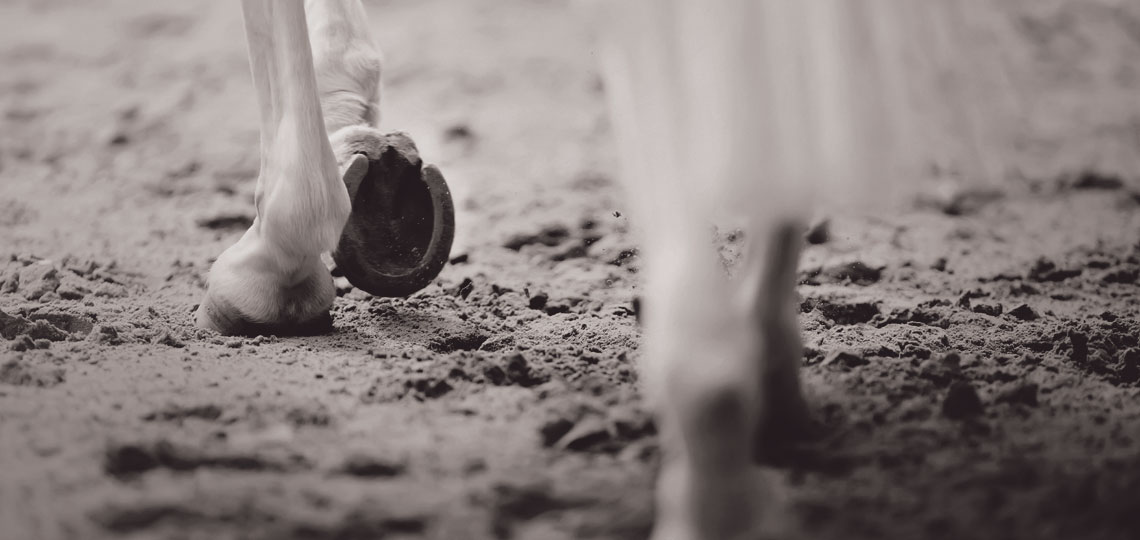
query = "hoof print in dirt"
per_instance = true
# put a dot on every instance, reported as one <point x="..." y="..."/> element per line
<point x="399" y="234"/>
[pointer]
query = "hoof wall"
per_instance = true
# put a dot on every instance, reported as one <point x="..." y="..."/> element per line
<point x="223" y="318"/>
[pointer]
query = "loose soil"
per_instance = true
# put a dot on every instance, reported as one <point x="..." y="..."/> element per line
<point x="974" y="359"/>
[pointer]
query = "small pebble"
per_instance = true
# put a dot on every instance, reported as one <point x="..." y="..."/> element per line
<point x="21" y="344"/>
<point x="993" y="310"/>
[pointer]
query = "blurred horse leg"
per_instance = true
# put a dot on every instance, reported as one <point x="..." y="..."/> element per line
<point x="760" y="110"/>
<point x="721" y="356"/>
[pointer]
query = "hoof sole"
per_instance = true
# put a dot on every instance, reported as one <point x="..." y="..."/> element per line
<point x="399" y="234"/>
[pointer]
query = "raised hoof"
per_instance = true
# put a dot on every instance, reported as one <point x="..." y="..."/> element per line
<point x="398" y="236"/>
<point x="218" y="315"/>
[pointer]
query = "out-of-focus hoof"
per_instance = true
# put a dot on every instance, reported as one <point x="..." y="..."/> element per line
<point x="398" y="236"/>
<point x="222" y="317"/>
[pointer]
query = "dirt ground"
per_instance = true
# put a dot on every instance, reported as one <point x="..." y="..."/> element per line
<point x="978" y="374"/>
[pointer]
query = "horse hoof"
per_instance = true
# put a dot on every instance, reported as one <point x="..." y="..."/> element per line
<point x="398" y="236"/>
<point x="222" y="317"/>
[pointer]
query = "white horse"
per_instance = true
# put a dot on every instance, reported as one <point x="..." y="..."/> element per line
<point x="750" y="108"/>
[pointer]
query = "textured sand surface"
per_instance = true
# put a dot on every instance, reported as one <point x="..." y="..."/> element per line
<point x="978" y="374"/>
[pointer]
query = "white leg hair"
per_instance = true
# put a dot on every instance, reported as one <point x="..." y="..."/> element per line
<point x="347" y="63"/>
<point x="273" y="276"/>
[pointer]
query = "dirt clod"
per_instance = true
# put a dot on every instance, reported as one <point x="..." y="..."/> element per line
<point x="367" y="466"/>
<point x="226" y="222"/>
<point x="549" y="236"/>
<point x="13" y="325"/>
<point x="176" y="413"/>
<point x="42" y="329"/>
<point x="37" y="280"/>
<point x="1024" y="312"/>
<point x="1024" y="394"/>
<point x="166" y="338"/>
<point x="962" y="402"/>
<point x="1045" y="270"/>
<point x="105" y="334"/>
<point x="993" y="310"/>
<point x="942" y="370"/>
<point x="841" y="311"/>
<point x="857" y="272"/>
<point x="1128" y="276"/>
<point x="538" y="301"/>
<point x="844" y="359"/>
<point x="518" y="371"/>
<point x="1097" y="180"/>
<point x="127" y="460"/>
